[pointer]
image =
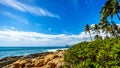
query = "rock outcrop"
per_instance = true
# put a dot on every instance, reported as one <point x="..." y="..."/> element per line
<point x="51" y="60"/>
<point x="8" y="60"/>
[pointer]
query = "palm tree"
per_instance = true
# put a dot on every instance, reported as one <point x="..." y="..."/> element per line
<point x="109" y="30"/>
<point x="105" y="26"/>
<point x="110" y="8"/>
<point x="96" y="29"/>
<point x="102" y="23"/>
<point x="87" y="29"/>
<point x="114" y="29"/>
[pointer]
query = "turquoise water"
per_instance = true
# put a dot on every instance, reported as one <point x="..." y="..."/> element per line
<point x="19" y="51"/>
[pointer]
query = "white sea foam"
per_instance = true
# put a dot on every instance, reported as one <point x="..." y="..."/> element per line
<point x="53" y="50"/>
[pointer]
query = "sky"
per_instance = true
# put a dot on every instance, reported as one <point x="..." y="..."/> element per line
<point x="46" y="22"/>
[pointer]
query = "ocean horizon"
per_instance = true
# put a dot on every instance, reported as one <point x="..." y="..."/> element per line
<point x="23" y="51"/>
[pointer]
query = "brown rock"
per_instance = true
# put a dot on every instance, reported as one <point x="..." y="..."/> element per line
<point x="28" y="61"/>
<point x="28" y="65"/>
<point x="48" y="58"/>
<point x="16" y="65"/>
<point x="39" y="63"/>
<point x="52" y="65"/>
<point x="20" y="63"/>
<point x="59" y="65"/>
<point x="51" y="60"/>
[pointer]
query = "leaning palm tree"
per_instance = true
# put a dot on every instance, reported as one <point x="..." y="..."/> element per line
<point x="110" y="8"/>
<point x="114" y="9"/>
<point x="103" y="22"/>
<point x="87" y="29"/>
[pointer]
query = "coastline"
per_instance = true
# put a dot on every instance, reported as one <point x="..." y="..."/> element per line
<point x="9" y="61"/>
<point x="24" y="51"/>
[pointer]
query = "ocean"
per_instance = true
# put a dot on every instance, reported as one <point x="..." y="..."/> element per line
<point x="22" y="51"/>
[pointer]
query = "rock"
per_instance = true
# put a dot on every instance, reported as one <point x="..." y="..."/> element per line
<point x="52" y="65"/>
<point x="28" y="65"/>
<point x="59" y="65"/>
<point x="16" y="65"/>
<point x="47" y="60"/>
<point x="8" y="60"/>
<point x="20" y="63"/>
<point x="38" y="63"/>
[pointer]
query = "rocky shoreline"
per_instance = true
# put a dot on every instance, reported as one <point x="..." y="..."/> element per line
<point x="39" y="60"/>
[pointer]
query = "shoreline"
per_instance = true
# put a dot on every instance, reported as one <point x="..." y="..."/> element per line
<point x="25" y="54"/>
<point x="11" y="59"/>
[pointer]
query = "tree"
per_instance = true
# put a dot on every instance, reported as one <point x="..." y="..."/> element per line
<point x="104" y="26"/>
<point x="114" y="29"/>
<point x="87" y="29"/>
<point x="96" y="29"/>
<point x="110" y="8"/>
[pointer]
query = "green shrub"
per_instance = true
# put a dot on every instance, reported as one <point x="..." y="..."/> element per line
<point x="95" y="54"/>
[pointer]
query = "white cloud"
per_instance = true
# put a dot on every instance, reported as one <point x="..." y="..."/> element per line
<point x="10" y="37"/>
<point x="27" y="8"/>
<point x="21" y="38"/>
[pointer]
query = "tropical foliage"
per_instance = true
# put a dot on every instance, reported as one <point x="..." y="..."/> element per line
<point x="95" y="54"/>
<point x="109" y="28"/>
<point x="101" y="53"/>
<point x="110" y="8"/>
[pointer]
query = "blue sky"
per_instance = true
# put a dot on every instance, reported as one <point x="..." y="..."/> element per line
<point x="67" y="16"/>
<point x="47" y="17"/>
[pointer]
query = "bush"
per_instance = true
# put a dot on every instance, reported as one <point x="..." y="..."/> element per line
<point x="95" y="54"/>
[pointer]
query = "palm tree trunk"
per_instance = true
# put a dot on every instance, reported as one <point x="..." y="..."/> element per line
<point x="118" y="16"/>
<point x="90" y="36"/>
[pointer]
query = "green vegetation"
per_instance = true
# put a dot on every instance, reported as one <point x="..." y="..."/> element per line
<point x="101" y="53"/>
<point x="95" y="54"/>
